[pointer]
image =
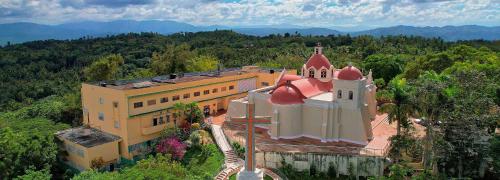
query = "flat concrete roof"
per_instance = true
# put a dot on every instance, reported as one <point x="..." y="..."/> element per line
<point x="180" y="78"/>
<point x="87" y="137"/>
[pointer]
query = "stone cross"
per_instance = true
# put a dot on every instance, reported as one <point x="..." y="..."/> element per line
<point x="250" y="120"/>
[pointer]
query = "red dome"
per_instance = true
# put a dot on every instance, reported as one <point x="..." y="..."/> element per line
<point x="317" y="61"/>
<point x="286" y="95"/>
<point x="350" y="73"/>
<point x="288" y="77"/>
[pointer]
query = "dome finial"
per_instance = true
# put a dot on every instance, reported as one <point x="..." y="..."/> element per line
<point x="349" y="64"/>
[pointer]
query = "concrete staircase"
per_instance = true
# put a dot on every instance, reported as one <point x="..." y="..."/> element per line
<point x="232" y="163"/>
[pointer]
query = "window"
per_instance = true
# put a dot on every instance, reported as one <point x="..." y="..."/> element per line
<point x="101" y="116"/>
<point x="206" y="92"/>
<point x="264" y="83"/>
<point x="164" y="100"/>
<point x="185" y="96"/>
<point x="101" y="100"/>
<point x="115" y="104"/>
<point x="311" y="73"/>
<point x="351" y="95"/>
<point x="161" y="120"/>
<point x="339" y="94"/>
<point x="323" y="73"/>
<point x="196" y="94"/>
<point x="117" y="124"/>
<point x="175" y="98"/>
<point x="155" y="121"/>
<point x="168" y="118"/>
<point x="214" y="90"/>
<point x="231" y="87"/>
<point x="137" y="104"/>
<point x="223" y="89"/>
<point x="151" y="102"/>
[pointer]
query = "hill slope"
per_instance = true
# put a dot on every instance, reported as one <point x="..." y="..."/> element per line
<point x="22" y="32"/>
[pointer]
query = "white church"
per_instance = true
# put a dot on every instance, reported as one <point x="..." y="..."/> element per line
<point x="323" y="103"/>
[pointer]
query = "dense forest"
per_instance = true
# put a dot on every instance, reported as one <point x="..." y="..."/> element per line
<point x="454" y="86"/>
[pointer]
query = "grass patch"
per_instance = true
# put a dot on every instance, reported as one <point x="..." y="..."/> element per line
<point x="204" y="162"/>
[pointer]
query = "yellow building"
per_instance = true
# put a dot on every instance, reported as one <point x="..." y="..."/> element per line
<point x="136" y="111"/>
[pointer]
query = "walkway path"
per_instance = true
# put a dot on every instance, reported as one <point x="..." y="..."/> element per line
<point x="232" y="163"/>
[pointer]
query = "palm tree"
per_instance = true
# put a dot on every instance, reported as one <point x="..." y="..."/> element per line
<point x="399" y="108"/>
<point x="179" y="109"/>
<point x="192" y="109"/>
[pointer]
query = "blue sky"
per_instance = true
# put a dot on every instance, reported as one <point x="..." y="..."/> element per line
<point x="340" y="14"/>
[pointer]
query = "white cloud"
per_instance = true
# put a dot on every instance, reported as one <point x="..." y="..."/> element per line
<point x="321" y="13"/>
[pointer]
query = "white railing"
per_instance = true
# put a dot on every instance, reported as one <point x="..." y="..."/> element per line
<point x="329" y="149"/>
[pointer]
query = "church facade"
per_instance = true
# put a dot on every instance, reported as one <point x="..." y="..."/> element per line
<point x="323" y="103"/>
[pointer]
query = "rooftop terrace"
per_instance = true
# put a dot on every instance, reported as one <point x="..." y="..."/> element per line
<point x="87" y="137"/>
<point x="181" y="77"/>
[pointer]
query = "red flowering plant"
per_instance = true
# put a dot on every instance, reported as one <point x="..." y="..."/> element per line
<point x="172" y="145"/>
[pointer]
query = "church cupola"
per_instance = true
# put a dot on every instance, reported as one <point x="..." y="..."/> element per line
<point x="318" y="66"/>
<point x="318" y="49"/>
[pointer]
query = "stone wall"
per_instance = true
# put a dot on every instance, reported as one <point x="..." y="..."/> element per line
<point x="360" y="165"/>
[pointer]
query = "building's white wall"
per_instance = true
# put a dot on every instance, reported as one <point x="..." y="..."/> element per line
<point x="237" y="108"/>
<point x="352" y="126"/>
<point x="290" y="117"/>
<point x="312" y="117"/>
<point x="262" y="105"/>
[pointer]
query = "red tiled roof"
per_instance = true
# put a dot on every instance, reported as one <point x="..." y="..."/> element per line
<point x="297" y="90"/>
<point x="286" y="95"/>
<point x="310" y="86"/>
<point x="350" y="73"/>
<point x="288" y="77"/>
<point x="317" y="61"/>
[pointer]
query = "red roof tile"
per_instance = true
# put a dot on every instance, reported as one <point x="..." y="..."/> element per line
<point x="288" y="77"/>
<point x="317" y="61"/>
<point x="350" y="73"/>
<point x="297" y="90"/>
<point x="286" y="95"/>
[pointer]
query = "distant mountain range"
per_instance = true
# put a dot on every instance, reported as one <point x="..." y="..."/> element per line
<point x="22" y="32"/>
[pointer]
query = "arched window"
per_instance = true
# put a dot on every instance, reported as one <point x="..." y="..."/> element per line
<point x="339" y="94"/>
<point x="323" y="73"/>
<point x="351" y="95"/>
<point x="311" y="73"/>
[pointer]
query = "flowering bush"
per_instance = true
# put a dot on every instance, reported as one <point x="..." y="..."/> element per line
<point x="173" y="146"/>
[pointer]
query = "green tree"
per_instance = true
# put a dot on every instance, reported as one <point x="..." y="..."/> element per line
<point x="494" y="153"/>
<point x="385" y="66"/>
<point x="430" y="99"/>
<point x="23" y="151"/>
<point x="179" y="111"/>
<point x="158" y="167"/>
<point x="202" y="63"/>
<point x="399" y="108"/>
<point x="193" y="112"/>
<point x="465" y="134"/>
<point x="105" y="68"/>
<point x="172" y="59"/>
<point x="38" y="175"/>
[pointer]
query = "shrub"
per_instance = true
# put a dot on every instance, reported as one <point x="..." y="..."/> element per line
<point x="195" y="126"/>
<point x="312" y="170"/>
<point x="173" y="146"/>
<point x="332" y="171"/>
<point x="238" y="149"/>
<point x="195" y="140"/>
